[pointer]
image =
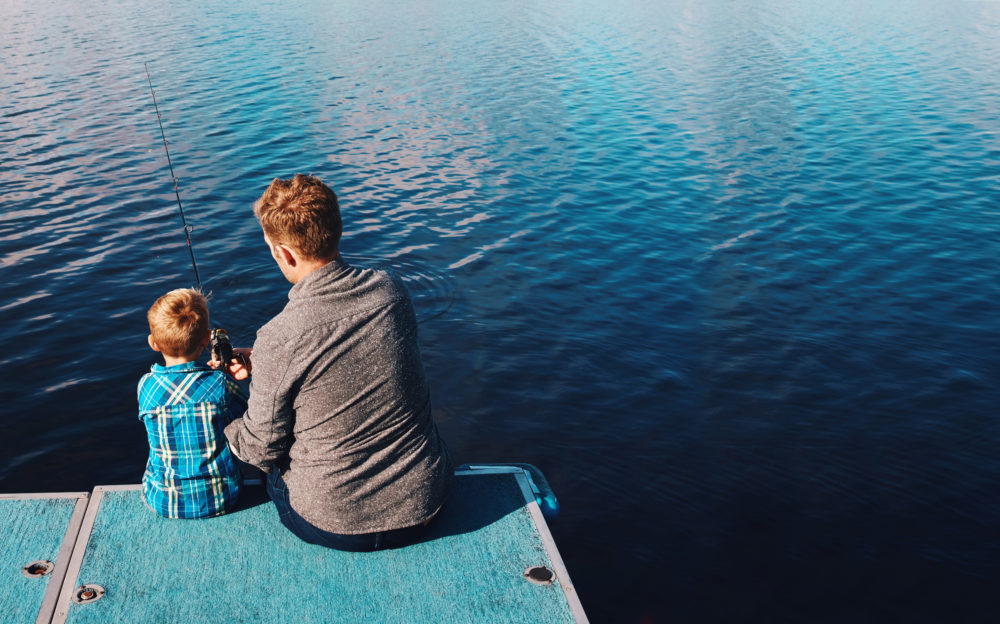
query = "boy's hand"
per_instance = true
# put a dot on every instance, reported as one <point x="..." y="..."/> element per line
<point x="239" y="367"/>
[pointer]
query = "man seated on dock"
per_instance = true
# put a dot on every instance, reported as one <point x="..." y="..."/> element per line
<point x="339" y="412"/>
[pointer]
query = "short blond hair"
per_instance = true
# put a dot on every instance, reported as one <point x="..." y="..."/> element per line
<point x="302" y="213"/>
<point x="178" y="322"/>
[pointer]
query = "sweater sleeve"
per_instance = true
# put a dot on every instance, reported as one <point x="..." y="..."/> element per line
<point x="263" y="435"/>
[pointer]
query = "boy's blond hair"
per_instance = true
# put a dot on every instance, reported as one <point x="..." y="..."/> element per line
<point x="302" y="213"/>
<point x="178" y="322"/>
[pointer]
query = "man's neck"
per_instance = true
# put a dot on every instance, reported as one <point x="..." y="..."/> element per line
<point x="305" y="267"/>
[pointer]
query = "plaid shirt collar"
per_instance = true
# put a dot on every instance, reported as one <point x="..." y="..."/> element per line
<point x="186" y="367"/>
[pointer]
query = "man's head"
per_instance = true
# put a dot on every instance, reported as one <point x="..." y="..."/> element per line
<point x="178" y="324"/>
<point x="302" y="214"/>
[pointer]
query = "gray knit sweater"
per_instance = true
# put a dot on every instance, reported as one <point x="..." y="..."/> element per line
<point x="339" y="404"/>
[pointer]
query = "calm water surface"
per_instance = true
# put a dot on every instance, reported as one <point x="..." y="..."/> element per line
<point x="725" y="270"/>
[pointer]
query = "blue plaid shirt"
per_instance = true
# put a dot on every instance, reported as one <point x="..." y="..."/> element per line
<point x="191" y="473"/>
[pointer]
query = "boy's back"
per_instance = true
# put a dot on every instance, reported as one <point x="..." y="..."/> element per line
<point x="191" y="472"/>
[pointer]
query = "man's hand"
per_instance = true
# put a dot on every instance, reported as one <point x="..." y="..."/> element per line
<point x="239" y="367"/>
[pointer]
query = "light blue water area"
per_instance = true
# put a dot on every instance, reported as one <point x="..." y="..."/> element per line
<point x="726" y="271"/>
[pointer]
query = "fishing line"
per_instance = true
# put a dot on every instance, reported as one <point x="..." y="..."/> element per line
<point x="222" y="348"/>
<point x="173" y="177"/>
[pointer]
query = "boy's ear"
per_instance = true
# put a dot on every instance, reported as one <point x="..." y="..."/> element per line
<point x="152" y="345"/>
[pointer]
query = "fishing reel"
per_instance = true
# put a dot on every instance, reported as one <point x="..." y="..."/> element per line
<point x="222" y="347"/>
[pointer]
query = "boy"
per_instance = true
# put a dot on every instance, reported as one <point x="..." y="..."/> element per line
<point x="191" y="472"/>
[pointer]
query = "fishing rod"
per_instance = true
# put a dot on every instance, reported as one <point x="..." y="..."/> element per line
<point x="222" y="348"/>
<point x="173" y="177"/>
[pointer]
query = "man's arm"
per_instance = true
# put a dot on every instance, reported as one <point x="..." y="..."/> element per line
<point x="262" y="437"/>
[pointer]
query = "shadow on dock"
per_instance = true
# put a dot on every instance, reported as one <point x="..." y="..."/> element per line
<point x="470" y="507"/>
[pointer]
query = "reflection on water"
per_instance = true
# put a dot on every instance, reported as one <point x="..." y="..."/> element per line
<point x="432" y="291"/>
<point x="725" y="271"/>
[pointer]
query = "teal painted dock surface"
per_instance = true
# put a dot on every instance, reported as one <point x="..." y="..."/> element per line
<point x="246" y="567"/>
<point x="36" y="528"/>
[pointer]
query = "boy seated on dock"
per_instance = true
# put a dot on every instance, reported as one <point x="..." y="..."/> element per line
<point x="191" y="473"/>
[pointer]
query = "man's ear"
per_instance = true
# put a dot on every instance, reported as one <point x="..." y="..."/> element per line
<point x="152" y="345"/>
<point x="289" y="256"/>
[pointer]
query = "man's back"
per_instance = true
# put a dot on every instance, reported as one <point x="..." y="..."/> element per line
<point x="339" y="402"/>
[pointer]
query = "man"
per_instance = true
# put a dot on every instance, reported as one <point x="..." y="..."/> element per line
<point x="339" y="412"/>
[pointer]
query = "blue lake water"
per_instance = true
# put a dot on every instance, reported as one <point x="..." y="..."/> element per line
<point x="727" y="271"/>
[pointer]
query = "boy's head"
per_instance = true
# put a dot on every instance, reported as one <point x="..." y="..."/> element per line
<point x="178" y="324"/>
<point x="302" y="213"/>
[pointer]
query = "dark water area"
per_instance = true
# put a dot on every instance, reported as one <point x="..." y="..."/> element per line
<point x="726" y="271"/>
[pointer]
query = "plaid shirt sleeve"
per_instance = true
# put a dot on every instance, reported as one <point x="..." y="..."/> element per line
<point x="238" y="398"/>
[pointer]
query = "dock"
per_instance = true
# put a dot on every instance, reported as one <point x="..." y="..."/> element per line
<point x="103" y="556"/>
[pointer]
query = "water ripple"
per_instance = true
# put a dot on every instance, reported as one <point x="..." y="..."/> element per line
<point x="746" y="251"/>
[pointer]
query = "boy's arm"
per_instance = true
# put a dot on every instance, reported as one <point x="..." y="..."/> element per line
<point x="144" y="391"/>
